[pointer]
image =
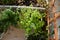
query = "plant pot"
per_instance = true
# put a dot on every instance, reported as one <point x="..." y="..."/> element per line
<point x="1" y="35"/>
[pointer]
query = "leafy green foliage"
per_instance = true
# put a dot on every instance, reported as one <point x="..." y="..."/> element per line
<point x="32" y="21"/>
<point x="40" y="36"/>
<point x="39" y="3"/>
<point x="8" y="1"/>
<point x="59" y="26"/>
<point x="43" y="3"/>
<point x="7" y="18"/>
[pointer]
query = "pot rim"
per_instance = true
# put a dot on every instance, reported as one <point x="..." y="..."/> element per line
<point x="1" y="36"/>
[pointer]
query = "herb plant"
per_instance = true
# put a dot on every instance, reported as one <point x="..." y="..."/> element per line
<point x="7" y="18"/>
<point x="32" y="21"/>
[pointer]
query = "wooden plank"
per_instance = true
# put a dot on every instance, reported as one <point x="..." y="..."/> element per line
<point x="55" y="28"/>
<point x="55" y="24"/>
<point x="57" y="16"/>
<point x="51" y="3"/>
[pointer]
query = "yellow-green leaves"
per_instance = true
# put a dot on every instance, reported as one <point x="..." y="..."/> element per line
<point x="31" y="19"/>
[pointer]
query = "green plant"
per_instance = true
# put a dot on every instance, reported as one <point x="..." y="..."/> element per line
<point x="43" y="3"/>
<point x="8" y="1"/>
<point x="40" y="3"/>
<point x="32" y="21"/>
<point x="59" y="26"/>
<point x="7" y="18"/>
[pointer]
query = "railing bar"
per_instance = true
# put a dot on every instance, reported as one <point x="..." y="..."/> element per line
<point x="22" y="7"/>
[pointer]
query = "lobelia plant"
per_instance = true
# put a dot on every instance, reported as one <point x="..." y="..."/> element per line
<point x="32" y="21"/>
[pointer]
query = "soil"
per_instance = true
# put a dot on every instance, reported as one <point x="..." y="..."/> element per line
<point x="14" y="34"/>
